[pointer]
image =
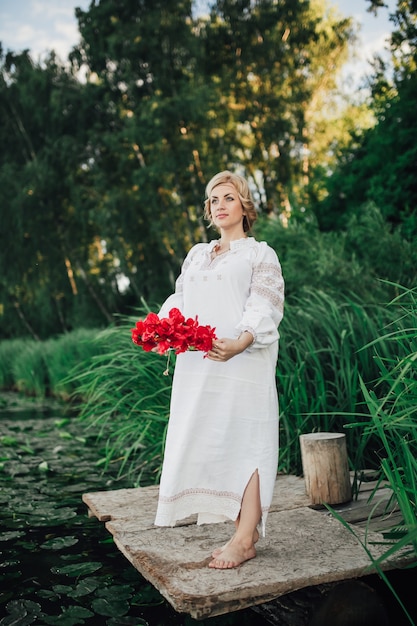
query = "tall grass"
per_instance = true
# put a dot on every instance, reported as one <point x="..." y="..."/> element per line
<point x="28" y="369"/>
<point x="320" y="366"/>
<point x="125" y="391"/>
<point x="41" y="369"/>
<point x="321" y="362"/>
<point x="9" y="350"/>
<point x="63" y="354"/>
<point x="392" y="406"/>
<point x="343" y="366"/>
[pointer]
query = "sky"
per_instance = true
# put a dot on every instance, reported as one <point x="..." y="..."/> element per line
<point x="45" y="25"/>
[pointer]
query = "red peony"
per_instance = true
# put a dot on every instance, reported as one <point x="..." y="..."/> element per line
<point x="174" y="332"/>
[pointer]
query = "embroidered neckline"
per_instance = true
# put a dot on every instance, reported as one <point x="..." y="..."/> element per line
<point x="236" y="244"/>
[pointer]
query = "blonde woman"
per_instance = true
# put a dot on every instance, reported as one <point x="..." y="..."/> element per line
<point x="221" y="450"/>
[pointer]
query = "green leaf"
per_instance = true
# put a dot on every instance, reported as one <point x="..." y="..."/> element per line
<point x="110" y="607"/>
<point x="85" y="587"/>
<point x="9" y="536"/>
<point x="21" y="613"/>
<point x="71" y="616"/>
<point x="59" y="543"/>
<point x="8" y="441"/>
<point x="77" y="569"/>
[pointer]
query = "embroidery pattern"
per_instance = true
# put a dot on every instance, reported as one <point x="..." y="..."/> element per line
<point x="267" y="283"/>
<point x="197" y="492"/>
<point x="211" y="264"/>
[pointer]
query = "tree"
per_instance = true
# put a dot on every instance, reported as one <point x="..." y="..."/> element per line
<point x="109" y="171"/>
<point x="380" y="164"/>
<point x="41" y="263"/>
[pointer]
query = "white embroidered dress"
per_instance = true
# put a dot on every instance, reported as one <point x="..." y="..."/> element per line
<point x="223" y="421"/>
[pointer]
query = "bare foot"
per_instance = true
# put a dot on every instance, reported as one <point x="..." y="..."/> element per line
<point x="218" y="551"/>
<point x="233" y="555"/>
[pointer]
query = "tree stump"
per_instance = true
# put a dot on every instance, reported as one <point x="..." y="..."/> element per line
<point x="325" y="468"/>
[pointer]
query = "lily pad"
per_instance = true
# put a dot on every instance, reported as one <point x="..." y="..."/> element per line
<point x="69" y="617"/>
<point x="85" y="587"/>
<point x="21" y="613"/>
<point x="77" y="569"/>
<point x="116" y="592"/>
<point x="49" y="518"/>
<point x="62" y="590"/>
<point x="59" y="543"/>
<point x="9" y="536"/>
<point x="127" y="621"/>
<point x="110" y="607"/>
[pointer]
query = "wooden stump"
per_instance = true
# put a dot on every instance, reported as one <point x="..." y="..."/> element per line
<point x="326" y="468"/>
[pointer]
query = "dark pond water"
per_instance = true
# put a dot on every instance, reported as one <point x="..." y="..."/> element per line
<point x="57" y="565"/>
<point x="60" y="567"/>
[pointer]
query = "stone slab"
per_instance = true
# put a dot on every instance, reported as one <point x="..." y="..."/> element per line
<point x="303" y="547"/>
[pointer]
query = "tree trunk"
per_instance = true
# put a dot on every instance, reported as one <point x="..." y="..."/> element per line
<point x="326" y="468"/>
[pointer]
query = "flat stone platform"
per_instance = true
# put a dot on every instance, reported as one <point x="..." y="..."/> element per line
<point x="303" y="547"/>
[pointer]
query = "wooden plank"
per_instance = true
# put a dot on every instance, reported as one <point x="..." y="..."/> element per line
<point x="303" y="547"/>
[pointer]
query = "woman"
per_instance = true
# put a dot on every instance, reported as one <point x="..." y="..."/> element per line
<point x="221" y="450"/>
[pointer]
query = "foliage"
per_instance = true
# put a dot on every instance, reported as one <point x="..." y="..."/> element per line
<point x="381" y="168"/>
<point x="357" y="261"/>
<point x="102" y="180"/>
<point x="379" y="164"/>
<point x="41" y="369"/>
<point x="124" y="391"/>
<point x="28" y="367"/>
<point x="392" y="405"/>
<point x="322" y="360"/>
<point x="65" y="353"/>
<point x="8" y="351"/>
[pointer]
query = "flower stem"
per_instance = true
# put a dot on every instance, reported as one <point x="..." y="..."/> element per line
<point x="166" y="372"/>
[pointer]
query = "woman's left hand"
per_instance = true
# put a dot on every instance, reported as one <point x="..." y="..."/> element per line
<point x="225" y="349"/>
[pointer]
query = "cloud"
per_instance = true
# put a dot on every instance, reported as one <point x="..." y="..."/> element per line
<point x="39" y="26"/>
<point x="51" y="10"/>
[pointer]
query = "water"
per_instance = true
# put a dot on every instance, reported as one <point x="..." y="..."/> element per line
<point x="58" y="566"/>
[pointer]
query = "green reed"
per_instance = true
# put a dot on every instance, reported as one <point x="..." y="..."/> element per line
<point x="327" y="368"/>
<point x="9" y="350"/>
<point x="64" y="353"/>
<point x="27" y="367"/>
<point x="392" y="406"/>
<point x="322" y="360"/>
<point x="125" y="391"/>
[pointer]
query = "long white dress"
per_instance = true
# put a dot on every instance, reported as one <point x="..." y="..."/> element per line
<point x="223" y="423"/>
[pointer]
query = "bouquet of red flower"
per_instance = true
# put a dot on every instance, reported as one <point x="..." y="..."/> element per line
<point x="174" y="332"/>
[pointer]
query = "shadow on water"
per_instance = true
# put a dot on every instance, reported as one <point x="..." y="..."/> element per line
<point x="60" y="567"/>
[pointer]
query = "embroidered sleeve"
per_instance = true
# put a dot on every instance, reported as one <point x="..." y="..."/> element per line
<point x="265" y="305"/>
<point x="267" y="282"/>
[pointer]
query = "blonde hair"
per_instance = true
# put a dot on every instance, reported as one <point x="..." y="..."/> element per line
<point x="244" y="194"/>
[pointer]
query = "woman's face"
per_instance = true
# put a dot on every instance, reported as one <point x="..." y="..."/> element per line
<point x="225" y="207"/>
